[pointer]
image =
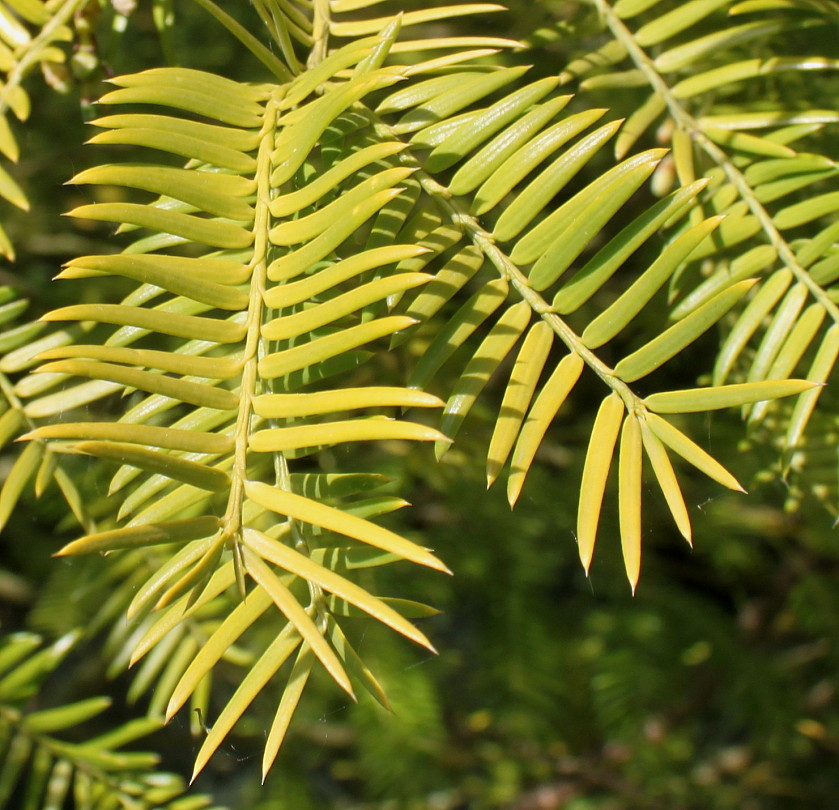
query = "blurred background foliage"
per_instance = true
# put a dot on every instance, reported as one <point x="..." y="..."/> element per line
<point x="714" y="687"/>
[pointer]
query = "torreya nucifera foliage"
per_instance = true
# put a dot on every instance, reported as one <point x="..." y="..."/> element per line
<point x="401" y="217"/>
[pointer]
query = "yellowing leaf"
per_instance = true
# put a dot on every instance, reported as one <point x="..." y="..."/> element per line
<point x="293" y="264"/>
<point x="223" y="637"/>
<point x="458" y="329"/>
<point x="288" y="703"/>
<point x="584" y="216"/>
<point x="663" y="470"/>
<point x="161" y="86"/>
<point x="465" y="140"/>
<point x="327" y="517"/>
<point x="206" y="280"/>
<point x="168" y="323"/>
<point x="690" y="451"/>
<point x="216" y="233"/>
<point x="18" y="477"/>
<point x="482" y="164"/>
<point x="304" y="229"/>
<point x="179" y="363"/>
<point x="618" y="183"/>
<point x="178" y="531"/>
<point x="541" y="190"/>
<point x="619" y="313"/>
<point x="439" y="112"/>
<point x="347" y="399"/>
<point x="602" y="266"/>
<point x="749" y="321"/>
<point x="660" y="349"/>
<point x="12" y="192"/>
<point x="216" y="193"/>
<point x="218" y="146"/>
<point x="284" y="362"/>
<point x="374" y="25"/>
<point x="300" y="618"/>
<point x="300" y="323"/>
<point x="173" y="568"/>
<point x="692" y="400"/>
<point x="677" y="20"/>
<point x="166" y="464"/>
<point x="203" y="395"/>
<point x="171" y="438"/>
<point x="547" y="404"/>
<point x="490" y="354"/>
<point x="629" y="497"/>
<point x="349" y="430"/>
<point x="527" y="157"/>
<point x="305" y="125"/>
<point x="252" y="684"/>
<point x="601" y="446"/>
<point x="304" y="567"/>
<point x="295" y="292"/>
<point x="517" y="397"/>
<point x="819" y="372"/>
